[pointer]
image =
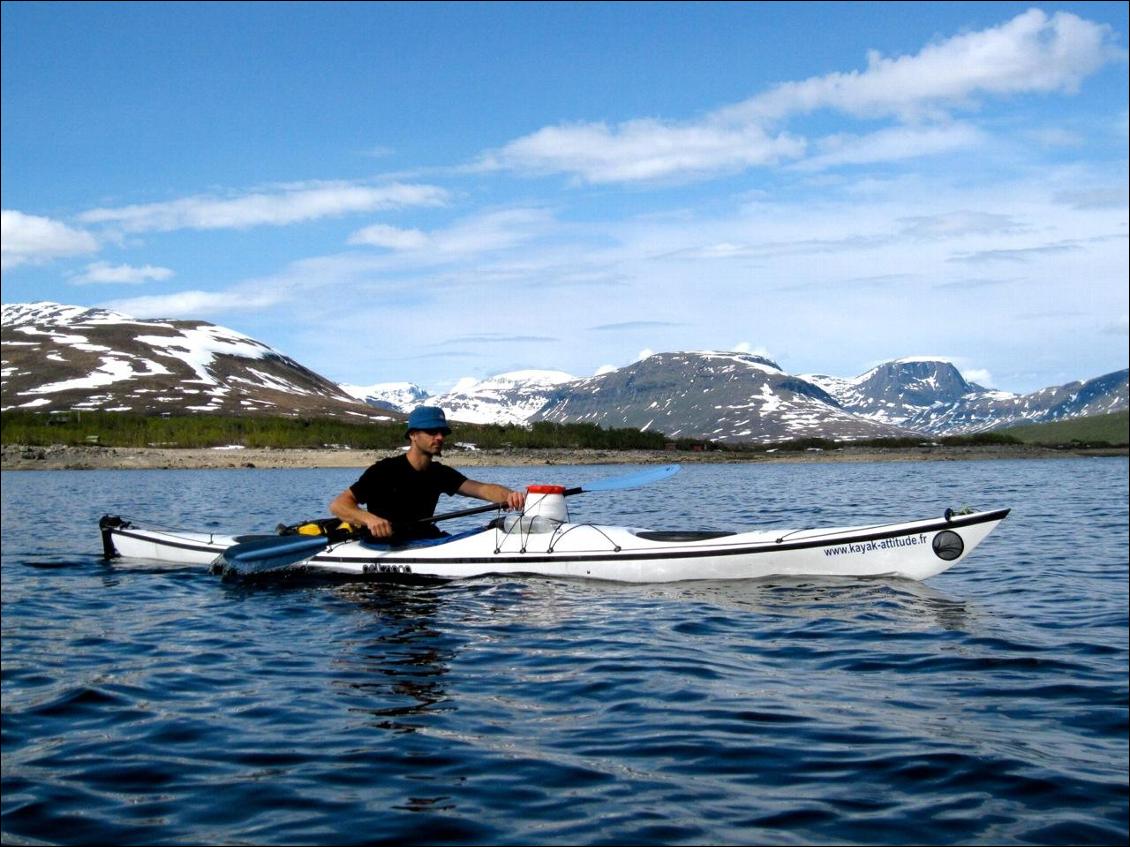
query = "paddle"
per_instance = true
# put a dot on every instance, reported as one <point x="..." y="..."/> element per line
<point x="269" y="554"/>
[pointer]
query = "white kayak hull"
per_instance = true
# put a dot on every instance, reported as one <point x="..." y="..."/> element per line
<point x="911" y="550"/>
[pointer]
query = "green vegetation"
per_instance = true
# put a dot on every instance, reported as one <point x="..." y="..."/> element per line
<point x="122" y="429"/>
<point x="544" y="434"/>
<point x="1099" y="431"/>
<point x="979" y="439"/>
<point x="1111" y="430"/>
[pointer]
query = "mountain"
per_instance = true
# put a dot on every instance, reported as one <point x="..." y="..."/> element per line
<point x="895" y="392"/>
<point x="735" y="397"/>
<point x="392" y="396"/>
<point x="509" y="398"/>
<point x="59" y="357"/>
<point x="726" y="397"/>
<point x="64" y="357"/>
<point x="930" y="396"/>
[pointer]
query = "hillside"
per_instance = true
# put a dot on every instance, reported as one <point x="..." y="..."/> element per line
<point x="1113" y="429"/>
<point x="60" y="358"/>
<point x="724" y="397"/>
<point x="65" y="358"/>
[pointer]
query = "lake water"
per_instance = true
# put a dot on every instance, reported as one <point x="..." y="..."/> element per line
<point x="164" y="706"/>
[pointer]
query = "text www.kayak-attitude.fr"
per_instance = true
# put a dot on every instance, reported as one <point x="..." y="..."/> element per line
<point x="885" y="544"/>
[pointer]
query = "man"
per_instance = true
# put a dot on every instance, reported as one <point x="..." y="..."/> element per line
<point x="402" y="491"/>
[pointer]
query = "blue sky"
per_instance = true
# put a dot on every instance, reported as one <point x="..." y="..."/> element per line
<point x="425" y="192"/>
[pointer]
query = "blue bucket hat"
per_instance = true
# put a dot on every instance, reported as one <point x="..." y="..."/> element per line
<point x="427" y="417"/>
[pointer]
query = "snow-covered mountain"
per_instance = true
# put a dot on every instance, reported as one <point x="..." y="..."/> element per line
<point x="738" y="397"/>
<point x="394" y="396"/>
<point x="931" y="396"/>
<point x="64" y="357"/>
<point x="508" y="398"/>
<point x="721" y="396"/>
<point x="58" y="357"/>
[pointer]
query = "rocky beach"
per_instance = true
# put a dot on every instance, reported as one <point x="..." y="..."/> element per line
<point x="15" y="457"/>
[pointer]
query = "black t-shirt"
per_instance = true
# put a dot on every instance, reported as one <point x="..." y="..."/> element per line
<point x="396" y="491"/>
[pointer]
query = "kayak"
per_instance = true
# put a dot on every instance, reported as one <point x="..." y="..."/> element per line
<point x="542" y="541"/>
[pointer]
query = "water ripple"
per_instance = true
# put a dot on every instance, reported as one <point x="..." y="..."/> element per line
<point x="156" y="706"/>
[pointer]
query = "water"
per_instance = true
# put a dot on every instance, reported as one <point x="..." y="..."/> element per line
<point x="989" y="705"/>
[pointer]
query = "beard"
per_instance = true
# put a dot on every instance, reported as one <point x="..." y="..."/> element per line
<point x="429" y="447"/>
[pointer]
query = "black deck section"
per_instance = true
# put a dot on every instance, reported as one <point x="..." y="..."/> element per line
<point x="677" y="535"/>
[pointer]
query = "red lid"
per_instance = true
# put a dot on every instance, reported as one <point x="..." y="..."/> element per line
<point x="545" y="489"/>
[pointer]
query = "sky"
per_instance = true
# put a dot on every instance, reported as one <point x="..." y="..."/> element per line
<point x="426" y="192"/>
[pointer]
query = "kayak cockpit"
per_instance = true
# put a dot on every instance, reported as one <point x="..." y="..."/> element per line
<point x="680" y="535"/>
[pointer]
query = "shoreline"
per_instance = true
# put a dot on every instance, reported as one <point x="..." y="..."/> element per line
<point x="15" y="457"/>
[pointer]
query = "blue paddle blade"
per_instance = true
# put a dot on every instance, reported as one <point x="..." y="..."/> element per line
<point x="268" y="554"/>
<point x="632" y="480"/>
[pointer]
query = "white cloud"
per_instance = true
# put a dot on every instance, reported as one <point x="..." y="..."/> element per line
<point x="288" y="205"/>
<point x="891" y="145"/>
<point x="747" y="347"/>
<point x="494" y="230"/>
<point x="29" y="239"/>
<point x="978" y="375"/>
<point x="1099" y="197"/>
<point x="960" y="223"/>
<point x="643" y="150"/>
<point x="464" y="241"/>
<point x="196" y="304"/>
<point x="104" y="272"/>
<point x="1054" y="136"/>
<point x="1032" y="53"/>
<point x="393" y="238"/>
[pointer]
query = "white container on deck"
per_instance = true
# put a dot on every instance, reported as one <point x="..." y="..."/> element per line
<point x="545" y="510"/>
<point x="546" y="501"/>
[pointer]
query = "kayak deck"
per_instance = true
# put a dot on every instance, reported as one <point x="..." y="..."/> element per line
<point x="913" y="550"/>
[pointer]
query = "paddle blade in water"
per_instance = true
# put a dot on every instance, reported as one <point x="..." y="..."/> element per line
<point x="268" y="554"/>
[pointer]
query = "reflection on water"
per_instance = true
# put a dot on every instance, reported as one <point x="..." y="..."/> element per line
<point x="157" y="705"/>
<point x="901" y="603"/>
<point x="399" y="660"/>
